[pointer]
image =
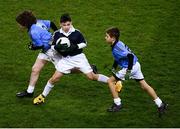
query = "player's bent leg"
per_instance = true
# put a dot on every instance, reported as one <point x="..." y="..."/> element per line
<point x="37" y="67"/>
<point x="162" y="106"/>
<point x="148" y="89"/>
<point x="56" y="76"/>
<point x="111" y="84"/>
<point x="117" y="101"/>
<point x="50" y="84"/>
<point x="97" y="77"/>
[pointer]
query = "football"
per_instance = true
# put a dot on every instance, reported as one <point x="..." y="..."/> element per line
<point x="63" y="41"/>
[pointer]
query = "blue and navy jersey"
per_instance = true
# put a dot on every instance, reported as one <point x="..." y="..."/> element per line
<point x="120" y="52"/>
<point x="75" y="37"/>
<point x="40" y="34"/>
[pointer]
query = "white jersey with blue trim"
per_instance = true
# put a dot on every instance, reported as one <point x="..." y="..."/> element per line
<point x="40" y="34"/>
<point x="120" y="52"/>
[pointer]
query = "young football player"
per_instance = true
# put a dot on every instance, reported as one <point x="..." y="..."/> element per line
<point x="130" y="68"/>
<point x="73" y="56"/>
<point x="38" y="31"/>
<point x="41" y="38"/>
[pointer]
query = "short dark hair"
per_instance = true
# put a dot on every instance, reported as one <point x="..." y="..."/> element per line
<point x="26" y="18"/>
<point x="65" y="17"/>
<point x="113" y="32"/>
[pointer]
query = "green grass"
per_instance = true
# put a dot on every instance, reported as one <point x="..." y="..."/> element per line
<point x="150" y="28"/>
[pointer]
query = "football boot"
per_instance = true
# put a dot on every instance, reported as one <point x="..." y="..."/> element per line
<point x="114" y="108"/>
<point x="24" y="94"/>
<point x="162" y="108"/>
<point x="39" y="100"/>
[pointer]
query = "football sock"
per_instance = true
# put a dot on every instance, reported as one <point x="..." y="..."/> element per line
<point x="102" y="78"/>
<point x="117" y="101"/>
<point x="47" y="89"/>
<point x="158" y="101"/>
<point x="30" y="89"/>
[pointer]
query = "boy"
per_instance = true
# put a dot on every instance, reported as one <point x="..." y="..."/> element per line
<point x="73" y="57"/>
<point x="130" y="66"/>
<point x="38" y="31"/>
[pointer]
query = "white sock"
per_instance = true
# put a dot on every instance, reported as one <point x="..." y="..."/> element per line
<point x="102" y="78"/>
<point x="158" y="101"/>
<point x="47" y="89"/>
<point x="30" y="89"/>
<point x="117" y="101"/>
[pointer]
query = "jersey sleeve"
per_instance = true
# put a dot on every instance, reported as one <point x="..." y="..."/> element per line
<point x="81" y="38"/>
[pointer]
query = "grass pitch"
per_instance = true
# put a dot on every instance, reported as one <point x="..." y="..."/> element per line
<point x="150" y="28"/>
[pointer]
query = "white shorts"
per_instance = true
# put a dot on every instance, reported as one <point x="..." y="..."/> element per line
<point x="135" y="72"/>
<point x="51" y="55"/>
<point x="79" y="62"/>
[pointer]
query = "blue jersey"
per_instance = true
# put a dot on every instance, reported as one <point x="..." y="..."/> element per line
<point x="40" y="35"/>
<point x="120" y="52"/>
